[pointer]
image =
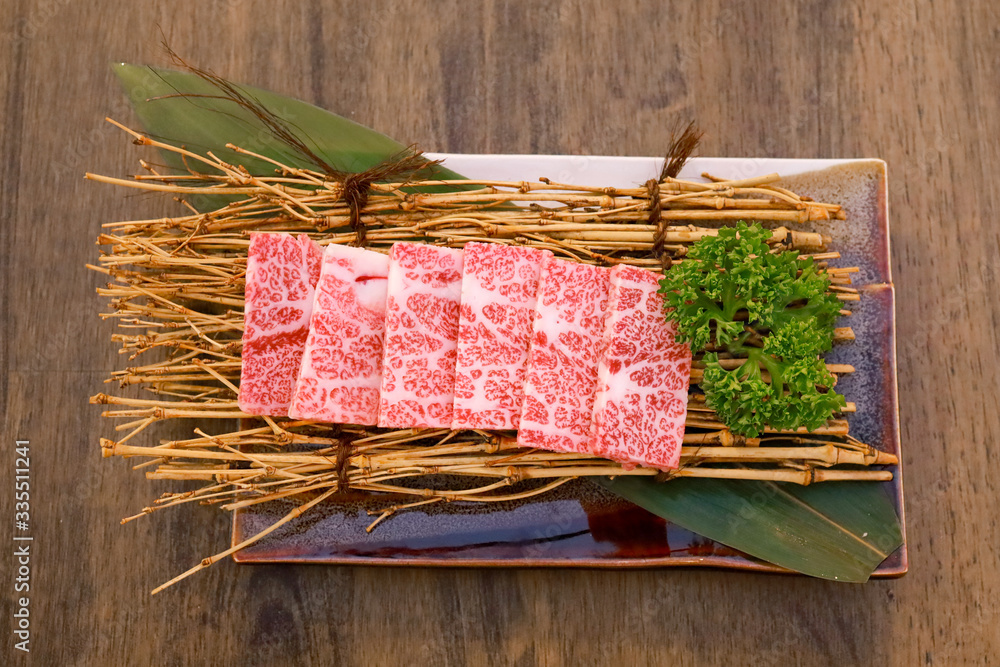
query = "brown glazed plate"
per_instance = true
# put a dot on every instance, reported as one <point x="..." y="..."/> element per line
<point x="580" y="524"/>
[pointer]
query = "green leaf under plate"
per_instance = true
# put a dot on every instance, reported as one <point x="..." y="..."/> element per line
<point x="834" y="530"/>
<point x="187" y="110"/>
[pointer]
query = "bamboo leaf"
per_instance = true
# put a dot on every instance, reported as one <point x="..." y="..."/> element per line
<point x="839" y="531"/>
<point x="185" y="109"/>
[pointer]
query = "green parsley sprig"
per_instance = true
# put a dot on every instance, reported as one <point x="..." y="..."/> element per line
<point x="775" y="310"/>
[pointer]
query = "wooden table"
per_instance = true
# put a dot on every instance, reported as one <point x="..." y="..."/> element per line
<point x="916" y="85"/>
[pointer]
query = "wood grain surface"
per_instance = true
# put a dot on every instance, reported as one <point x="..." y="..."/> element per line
<point x="916" y="85"/>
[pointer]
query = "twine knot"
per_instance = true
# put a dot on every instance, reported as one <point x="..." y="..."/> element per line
<point x="656" y="218"/>
<point x="665" y="476"/>
<point x="355" y="188"/>
<point x="355" y="193"/>
<point x="343" y="464"/>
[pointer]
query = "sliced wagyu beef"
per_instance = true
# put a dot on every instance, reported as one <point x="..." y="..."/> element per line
<point x="342" y="365"/>
<point x="282" y="272"/>
<point x="643" y="376"/>
<point x="499" y="289"/>
<point x="562" y="360"/>
<point x="421" y="336"/>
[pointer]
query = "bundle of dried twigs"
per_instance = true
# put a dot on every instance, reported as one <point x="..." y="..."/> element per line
<point x="177" y="292"/>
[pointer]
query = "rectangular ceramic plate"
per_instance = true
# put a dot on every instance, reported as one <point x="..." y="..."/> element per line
<point x="579" y="524"/>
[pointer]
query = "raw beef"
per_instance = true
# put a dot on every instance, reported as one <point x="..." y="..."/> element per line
<point x="342" y="365"/>
<point x="643" y="376"/>
<point x="421" y="335"/>
<point x="499" y="285"/>
<point x="281" y="276"/>
<point x="562" y="360"/>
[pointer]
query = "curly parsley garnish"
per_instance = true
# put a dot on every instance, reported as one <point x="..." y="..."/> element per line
<point x="773" y="309"/>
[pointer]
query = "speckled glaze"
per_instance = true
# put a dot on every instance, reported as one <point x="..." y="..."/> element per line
<point x="580" y="524"/>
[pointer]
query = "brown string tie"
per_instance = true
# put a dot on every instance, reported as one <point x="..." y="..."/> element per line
<point x="665" y="476"/>
<point x="656" y="218"/>
<point x="356" y="188"/>
<point x="682" y="147"/>
<point x="343" y="465"/>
